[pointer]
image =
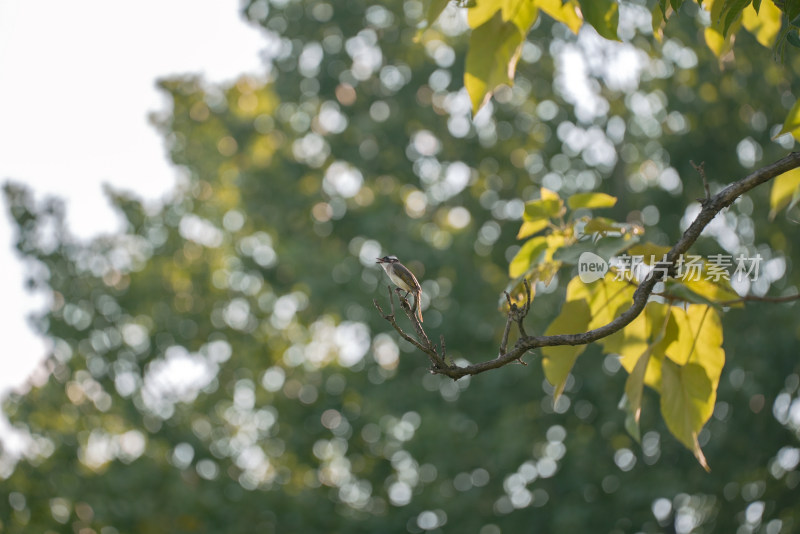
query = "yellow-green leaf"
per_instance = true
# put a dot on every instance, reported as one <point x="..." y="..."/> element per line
<point x="605" y="297"/>
<point x="785" y="189"/>
<point x="591" y="201"/>
<point x="601" y="225"/>
<point x="660" y="13"/>
<point x="548" y="194"/>
<point x="608" y="298"/>
<point x="435" y="8"/>
<point x="526" y="255"/>
<point x="494" y="49"/>
<point x="792" y="122"/>
<point x="717" y="39"/>
<point x="529" y="228"/>
<point x="652" y="332"/>
<point x="544" y="208"/>
<point x="577" y="290"/>
<point x="687" y="396"/>
<point x="634" y="386"/>
<point x="563" y="12"/>
<point x="629" y="343"/>
<point x="515" y="11"/>
<point x="603" y="15"/>
<point x="731" y="12"/>
<point x="699" y="339"/>
<point x="557" y="362"/>
<point x="650" y="252"/>
<point x="604" y="249"/>
<point x="520" y="12"/>
<point x="690" y="374"/>
<point x="555" y="241"/>
<point x="764" y="24"/>
<point x="710" y="290"/>
<point x="482" y="12"/>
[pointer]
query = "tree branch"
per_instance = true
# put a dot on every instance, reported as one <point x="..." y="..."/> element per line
<point x="424" y="344"/>
<point x="756" y="298"/>
<point x="711" y="206"/>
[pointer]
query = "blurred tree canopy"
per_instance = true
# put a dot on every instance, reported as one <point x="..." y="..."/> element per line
<point x="218" y="365"/>
<point x="500" y="27"/>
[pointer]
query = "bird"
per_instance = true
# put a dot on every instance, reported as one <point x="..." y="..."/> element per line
<point x="403" y="279"/>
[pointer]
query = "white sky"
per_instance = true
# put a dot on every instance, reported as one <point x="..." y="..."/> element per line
<point x="77" y="81"/>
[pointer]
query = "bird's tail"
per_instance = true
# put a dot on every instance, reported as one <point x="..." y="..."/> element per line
<point x="418" y="298"/>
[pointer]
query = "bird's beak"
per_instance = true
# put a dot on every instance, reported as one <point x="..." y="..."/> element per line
<point x="380" y="260"/>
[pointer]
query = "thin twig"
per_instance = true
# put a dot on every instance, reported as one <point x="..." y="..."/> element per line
<point x="424" y="344"/>
<point x="400" y="331"/>
<point x="507" y="329"/>
<point x="520" y="315"/>
<point x="701" y="170"/>
<point x="756" y="298"/>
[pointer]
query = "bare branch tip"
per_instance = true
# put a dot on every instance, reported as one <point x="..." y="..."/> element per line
<point x="527" y="295"/>
<point x="701" y="170"/>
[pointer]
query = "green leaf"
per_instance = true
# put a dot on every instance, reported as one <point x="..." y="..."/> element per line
<point x="686" y="396"/>
<point x="591" y="201"/>
<point x="680" y="291"/>
<point x="793" y="39"/>
<point x="659" y="21"/>
<point x="631" y="423"/>
<point x="732" y="10"/>
<point x="526" y="255"/>
<point x="603" y="15"/>
<point x="676" y="4"/>
<point x="603" y="226"/>
<point x="557" y="362"/>
<point x="543" y="209"/>
<point x="494" y="49"/>
<point x="785" y="191"/>
<point x="757" y="5"/>
<point x="606" y="248"/>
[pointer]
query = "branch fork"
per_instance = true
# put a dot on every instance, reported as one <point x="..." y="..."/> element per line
<point x="422" y="342"/>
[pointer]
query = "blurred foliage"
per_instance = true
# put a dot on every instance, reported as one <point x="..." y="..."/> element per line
<point x="501" y="27"/>
<point x="218" y="365"/>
